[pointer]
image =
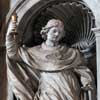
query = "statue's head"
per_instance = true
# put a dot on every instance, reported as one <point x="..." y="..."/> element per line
<point x="54" y="30"/>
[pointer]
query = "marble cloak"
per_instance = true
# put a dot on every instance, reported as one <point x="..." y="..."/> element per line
<point x="30" y="68"/>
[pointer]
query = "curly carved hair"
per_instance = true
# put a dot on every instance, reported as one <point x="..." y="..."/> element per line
<point x="50" y="24"/>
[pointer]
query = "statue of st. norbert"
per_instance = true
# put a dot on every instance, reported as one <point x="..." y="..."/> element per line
<point x="50" y="71"/>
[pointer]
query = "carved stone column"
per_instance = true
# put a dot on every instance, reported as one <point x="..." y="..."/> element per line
<point x="97" y="34"/>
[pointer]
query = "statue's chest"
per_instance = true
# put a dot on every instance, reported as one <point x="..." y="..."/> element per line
<point x="54" y="57"/>
<point x="51" y="60"/>
<point x="48" y="56"/>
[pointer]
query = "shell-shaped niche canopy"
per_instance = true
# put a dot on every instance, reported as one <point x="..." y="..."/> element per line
<point x="75" y="14"/>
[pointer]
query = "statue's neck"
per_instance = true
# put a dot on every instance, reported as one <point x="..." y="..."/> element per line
<point x="51" y="43"/>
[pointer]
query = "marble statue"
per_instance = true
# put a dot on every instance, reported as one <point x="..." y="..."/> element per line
<point x="50" y="71"/>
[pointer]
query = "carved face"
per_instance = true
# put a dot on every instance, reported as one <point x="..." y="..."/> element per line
<point x="53" y="31"/>
<point x="55" y="34"/>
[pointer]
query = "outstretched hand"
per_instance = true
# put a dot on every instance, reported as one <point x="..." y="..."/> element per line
<point x="13" y="25"/>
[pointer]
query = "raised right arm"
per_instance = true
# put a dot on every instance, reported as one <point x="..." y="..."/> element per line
<point x="11" y="42"/>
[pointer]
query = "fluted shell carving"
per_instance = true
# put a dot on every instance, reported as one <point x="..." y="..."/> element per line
<point x="78" y="20"/>
<point x="76" y="15"/>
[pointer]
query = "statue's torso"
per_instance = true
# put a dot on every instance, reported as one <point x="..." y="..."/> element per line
<point x="54" y="59"/>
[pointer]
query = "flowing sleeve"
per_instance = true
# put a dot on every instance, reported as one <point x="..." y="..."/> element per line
<point x="22" y="77"/>
<point x="88" y="82"/>
<point x="86" y="78"/>
<point x="12" y="47"/>
<point x="86" y="75"/>
<point x="14" y="51"/>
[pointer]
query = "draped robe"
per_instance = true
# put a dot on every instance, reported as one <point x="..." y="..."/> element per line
<point x="44" y="73"/>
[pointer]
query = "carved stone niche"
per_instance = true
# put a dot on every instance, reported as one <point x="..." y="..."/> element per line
<point x="75" y="14"/>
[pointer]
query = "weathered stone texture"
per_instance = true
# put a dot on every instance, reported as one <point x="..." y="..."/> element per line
<point x="3" y="78"/>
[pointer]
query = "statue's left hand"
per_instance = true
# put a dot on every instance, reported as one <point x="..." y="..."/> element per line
<point x="87" y="87"/>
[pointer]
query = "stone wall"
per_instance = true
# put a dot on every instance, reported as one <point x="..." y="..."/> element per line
<point x="3" y="78"/>
<point x="4" y="8"/>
